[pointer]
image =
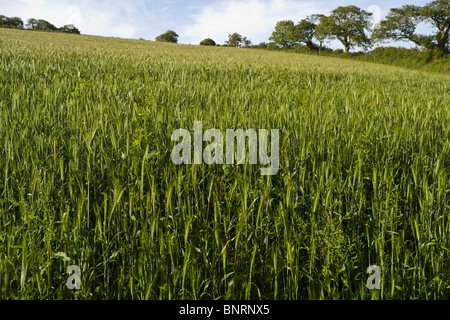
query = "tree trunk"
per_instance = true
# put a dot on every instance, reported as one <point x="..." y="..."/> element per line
<point x="442" y="40"/>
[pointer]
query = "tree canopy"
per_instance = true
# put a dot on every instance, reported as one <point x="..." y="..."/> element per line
<point x="284" y="33"/>
<point x="13" y="22"/>
<point x="208" y="42"/>
<point x="438" y="14"/>
<point x="401" y="24"/>
<point x="234" y="40"/>
<point x="35" y="24"/>
<point x="69" y="28"/>
<point x="304" y="32"/>
<point x="41" y="25"/>
<point x="169" y="36"/>
<point x="349" y="25"/>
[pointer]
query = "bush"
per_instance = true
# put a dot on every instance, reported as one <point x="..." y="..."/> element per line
<point x="207" y="42"/>
<point x="169" y="36"/>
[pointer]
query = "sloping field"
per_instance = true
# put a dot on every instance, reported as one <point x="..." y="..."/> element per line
<point x="87" y="179"/>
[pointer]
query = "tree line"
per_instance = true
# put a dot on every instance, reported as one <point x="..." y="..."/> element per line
<point x="350" y="25"/>
<point x="35" y="24"/>
<point x="353" y="27"/>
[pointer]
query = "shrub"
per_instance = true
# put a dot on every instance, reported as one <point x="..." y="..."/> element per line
<point x="207" y="42"/>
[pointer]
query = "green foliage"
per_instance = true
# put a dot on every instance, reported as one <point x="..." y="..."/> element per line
<point x="349" y="25"/>
<point x="169" y="36"/>
<point x="247" y="43"/>
<point x="86" y="175"/>
<point x="284" y="34"/>
<point x="69" y="29"/>
<point x="208" y="42"/>
<point x="320" y="33"/>
<point x="426" y="60"/>
<point x="401" y="24"/>
<point x="420" y="59"/>
<point x="438" y="14"/>
<point x="234" y="40"/>
<point x="13" y="22"/>
<point x="304" y="32"/>
<point x="41" y="25"/>
<point x="34" y="24"/>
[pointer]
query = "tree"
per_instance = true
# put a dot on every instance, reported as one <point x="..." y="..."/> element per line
<point x="401" y="24"/>
<point x="169" y="36"/>
<point x="69" y="28"/>
<point x="234" y="40"/>
<point x="247" y="42"/>
<point x="320" y="33"/>
<point x="32" y="23"/>
<point x="208" y="42"/>
<point x="284" y="33"/>
<point x="41" y="25"/>
<point x="349" y="25"/>
<point x="14" y="22"/>
<point x="438" y="14"/>
<point x="304" y="32"/>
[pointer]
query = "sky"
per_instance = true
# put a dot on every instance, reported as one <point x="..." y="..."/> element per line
<point x="193" y="20"/>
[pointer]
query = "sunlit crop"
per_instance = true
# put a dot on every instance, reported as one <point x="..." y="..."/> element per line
<point x="86" y="176"/>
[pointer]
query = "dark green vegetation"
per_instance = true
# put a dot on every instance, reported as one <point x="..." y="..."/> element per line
<point x="354" y="27"/>
<point x="208" y="42"/>
<point x="35" y="24"/>
<point x="86" y="177"/>
<point x="424" y="60"/>
<point x="168" y="36"/>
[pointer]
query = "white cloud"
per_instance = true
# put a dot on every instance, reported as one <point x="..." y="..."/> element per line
<point x="254" y="19"/>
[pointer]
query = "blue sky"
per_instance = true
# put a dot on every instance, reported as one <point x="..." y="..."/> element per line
<point x="193" y="20"/>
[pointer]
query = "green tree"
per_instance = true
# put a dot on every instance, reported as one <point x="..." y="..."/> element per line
<point x="284" y="34"/>
<point x="304" y="32"/>
<point x="234" y="40"/>
<point x="246" y="42"/>
<point x="401" y="25"/>
<point x="31" y="23"/>
<point x="320" y="32"/>
<point x="349" y="25"/>
<point x="41" y="25"/>
<point x="14" y="22"/>
<point x="208" y="42"/>
<point x="169" y="36"/>
<point x="438" y="14"/>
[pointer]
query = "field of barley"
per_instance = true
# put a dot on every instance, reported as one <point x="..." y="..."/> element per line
<point x="86" y="176"/>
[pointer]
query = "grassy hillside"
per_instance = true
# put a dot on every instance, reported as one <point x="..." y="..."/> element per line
<point x="86" y="176"/>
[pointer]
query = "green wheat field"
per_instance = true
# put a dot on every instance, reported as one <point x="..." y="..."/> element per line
<point x="86" y="176"/>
